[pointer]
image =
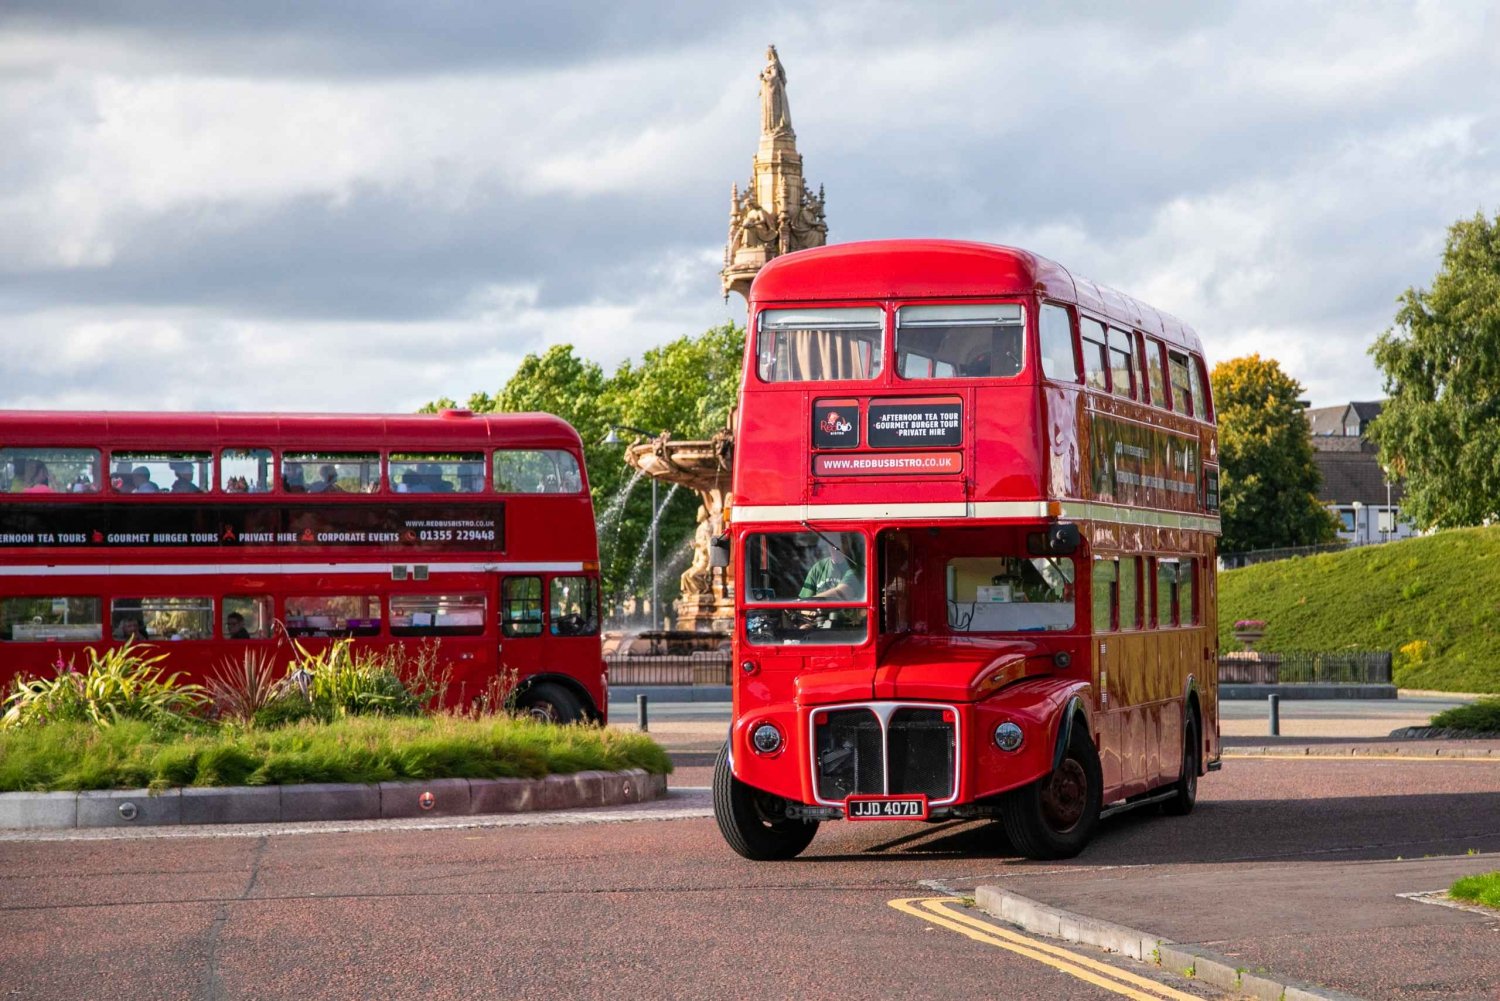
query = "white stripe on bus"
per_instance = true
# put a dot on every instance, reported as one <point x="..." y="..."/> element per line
<point x="226" y="569"/>
<point x="754" y="514"/>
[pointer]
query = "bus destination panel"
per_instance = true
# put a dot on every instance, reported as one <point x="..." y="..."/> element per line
<point x="432" y="527"/>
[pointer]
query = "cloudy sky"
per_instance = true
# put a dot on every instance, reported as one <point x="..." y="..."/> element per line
<point x="363" y="205"/>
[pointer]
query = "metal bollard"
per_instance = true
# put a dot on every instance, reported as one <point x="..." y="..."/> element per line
<point x="1275" y="701"/>
<point x="640" y="711"/>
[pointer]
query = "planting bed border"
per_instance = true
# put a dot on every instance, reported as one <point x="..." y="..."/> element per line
<point x="325" y="801"/>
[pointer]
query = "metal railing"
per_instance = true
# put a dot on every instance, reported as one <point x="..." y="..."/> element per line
<point x="704" y="668"/>
<point x="1349" y="667"/>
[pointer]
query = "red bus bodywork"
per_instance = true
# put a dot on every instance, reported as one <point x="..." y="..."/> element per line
<point x="487" y="558"/>
<point x="939" y="478"/>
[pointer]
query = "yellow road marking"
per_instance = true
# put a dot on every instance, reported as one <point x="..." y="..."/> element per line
<point x="938" y="911"/>
<point x="1361" y="757"/>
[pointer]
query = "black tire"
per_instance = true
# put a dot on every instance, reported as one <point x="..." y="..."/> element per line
<point x="747" y="819"/>
<point x="1054" y="817"/>
<point x="1185" y="789"/>
<point x="550" y="703"/>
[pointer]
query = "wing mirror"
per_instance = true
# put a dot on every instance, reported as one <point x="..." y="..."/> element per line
<point x="1057" y="540"/>
<point x="718" y="551"/>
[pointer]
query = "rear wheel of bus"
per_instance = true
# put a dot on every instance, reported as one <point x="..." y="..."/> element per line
<point x="1185" y="790"/>
<point x="1056" y="816"/>
<point x="550" y="703"/>
<point x="753" y="822"/>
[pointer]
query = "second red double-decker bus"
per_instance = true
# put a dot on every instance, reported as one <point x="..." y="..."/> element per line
<point x="974" y="519"/>
<point x="207" y="535"/>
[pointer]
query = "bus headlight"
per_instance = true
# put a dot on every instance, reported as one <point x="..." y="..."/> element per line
<point x="766" y="738"/>
<point x="1008" y="736"/>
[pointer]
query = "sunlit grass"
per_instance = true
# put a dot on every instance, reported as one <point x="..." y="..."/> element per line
<point x="1434" y="602"/>
<point x="1482" y="889"/>
<point x="133" y="755"/>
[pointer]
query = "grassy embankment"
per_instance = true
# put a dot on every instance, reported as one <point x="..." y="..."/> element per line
<point x="132" y="754"/>
<point x="1434" y="602"/>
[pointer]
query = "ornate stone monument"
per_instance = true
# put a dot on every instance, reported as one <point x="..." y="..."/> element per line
<point x="707" y="602"/>
<point x="775" y="214"/>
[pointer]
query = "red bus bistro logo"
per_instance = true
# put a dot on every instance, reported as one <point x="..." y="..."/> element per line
<point x="835" y="424"/>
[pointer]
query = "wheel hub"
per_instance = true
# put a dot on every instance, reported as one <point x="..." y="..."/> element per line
<point x="1065" y="795"/>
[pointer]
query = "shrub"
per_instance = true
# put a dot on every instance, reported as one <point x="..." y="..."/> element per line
<point x="344" y="682"/>
<point x="1482" y="889"/>
<point x="241" y="689"/>
<point x="1479" y="717"/>
<point x="120" y="684"/>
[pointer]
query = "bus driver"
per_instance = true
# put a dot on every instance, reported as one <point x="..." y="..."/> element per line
<point x="831" y="576"/>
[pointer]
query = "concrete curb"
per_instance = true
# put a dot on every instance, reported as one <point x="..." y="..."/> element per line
<point x="1418" y="750"/>
<point x="325" y="801"/>
<point x="1235" y="692"/>
<point x="1209" y="967"/>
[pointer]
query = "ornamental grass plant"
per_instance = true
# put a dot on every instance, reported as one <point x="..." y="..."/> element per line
<point x="126" y="683"/>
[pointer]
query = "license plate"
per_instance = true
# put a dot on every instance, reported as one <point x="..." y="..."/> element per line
<point x="886" y="807"/>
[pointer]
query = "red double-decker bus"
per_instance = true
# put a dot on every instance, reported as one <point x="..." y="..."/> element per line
<point x="208" y="535"/>
<point x="974" y="524"/>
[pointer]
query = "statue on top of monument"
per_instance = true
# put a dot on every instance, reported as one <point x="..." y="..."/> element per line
<point x="809" y="225"/>
<point x="775" y="115"/>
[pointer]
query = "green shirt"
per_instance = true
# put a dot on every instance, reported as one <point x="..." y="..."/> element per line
<point x="821" y="576"/>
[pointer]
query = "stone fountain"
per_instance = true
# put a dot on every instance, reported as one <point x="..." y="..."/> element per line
<point x="707" y="602"/>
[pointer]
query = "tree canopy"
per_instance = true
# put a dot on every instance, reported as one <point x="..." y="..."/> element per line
<point x="1268" y="483"/>
<point x="687" y="387"/>
<point x="1440" y="429"/>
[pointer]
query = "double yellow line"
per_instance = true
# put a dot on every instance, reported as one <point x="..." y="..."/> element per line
<point x="946" y="912"/>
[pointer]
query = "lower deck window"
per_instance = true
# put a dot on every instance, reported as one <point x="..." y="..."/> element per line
<point x="162" y="618"/>
<point x="437" y="614"/>
<point x="1010" y="594"/>
<point x="575" y="606"/>
<point x="521" y="606"/>
<point x="38" y="620"/>
<point x="806" y="626"/>
<point x="247" y="617"/>
<point x="333" y="615"/>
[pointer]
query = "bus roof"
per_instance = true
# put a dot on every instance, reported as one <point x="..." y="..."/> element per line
<point x="450" y="429"/>
<point x="897" y="269"/>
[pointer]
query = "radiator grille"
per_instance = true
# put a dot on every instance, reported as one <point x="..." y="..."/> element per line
<point x="851" y="752"/>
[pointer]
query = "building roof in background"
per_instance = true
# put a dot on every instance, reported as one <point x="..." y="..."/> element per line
<point x="1351" y="472"/>
<point x="1333" y="420"/>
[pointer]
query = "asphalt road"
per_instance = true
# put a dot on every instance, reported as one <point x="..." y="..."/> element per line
<point x="603" y="907"/>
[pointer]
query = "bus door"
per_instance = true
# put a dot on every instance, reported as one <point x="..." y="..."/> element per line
<point x="522" y="627"/>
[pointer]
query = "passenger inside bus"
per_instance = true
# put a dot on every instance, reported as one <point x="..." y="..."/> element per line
<point x="234" y="627"/>
<point x="140" y="479"/>
<point x="129" y="627"/>
<point x="327" y="482"/>
<point x="292" y="481"/>
<point x="184" y="484"/>
<point x="38" y="479"/>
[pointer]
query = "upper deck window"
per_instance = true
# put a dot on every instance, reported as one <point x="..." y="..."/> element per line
<point x="820" y="345"/>
<point x="1095" y="354"/>
<point x="536" y="471"/>
<point x="1058" y="360"/>
<point x="49" y="470"/>
<point x="963" y="341"/>
<point x="1195" y="382"/>
<point x="330" y="472"/>
<point x="161" y="472"/>
<point x="450" y="473"/>
<point x="1121" y="363"/>
<point x="1182" y="392"/>
<point x="245" y="470"/>
<point x="1156" y="372"/>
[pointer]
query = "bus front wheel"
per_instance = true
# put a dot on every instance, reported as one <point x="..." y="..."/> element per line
<point x="550" y="703"/>
<point x="1055" y="817"/>
<point x="1185" y="791"/>
<point x="752" y="822"/>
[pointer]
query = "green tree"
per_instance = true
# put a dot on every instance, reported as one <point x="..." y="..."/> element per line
<point x="1440" y="430"/>
<point x="1269" y="485"/>
<point x="686" y="387"/>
